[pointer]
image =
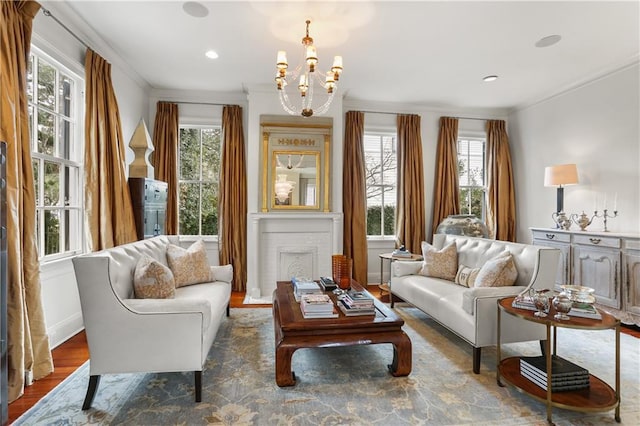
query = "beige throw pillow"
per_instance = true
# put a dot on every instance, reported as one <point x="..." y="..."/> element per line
<point x="439" y="263"/>
<point x="153" y="280"/>
<point x="466" y="276"/>
<point x="189" y="266"/>
<point x="498" y="272"/>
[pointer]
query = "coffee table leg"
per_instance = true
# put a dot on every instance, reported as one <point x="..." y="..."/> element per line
<point x="401" y="365"/>
<point x="284" y="375"/>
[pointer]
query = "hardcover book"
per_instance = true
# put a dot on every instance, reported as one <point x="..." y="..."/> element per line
<point x="560" y="367"/>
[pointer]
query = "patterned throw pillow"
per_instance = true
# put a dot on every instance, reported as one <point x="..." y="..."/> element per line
<point x="439" y="263"/>
<point x="498" y="272"/>
<point x="153" y="280"/>
<point x="466" y="276"/>
<point x="189" y="266"/>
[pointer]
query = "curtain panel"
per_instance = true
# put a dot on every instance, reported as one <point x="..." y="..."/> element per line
<point x="108" y="208"/>
<point x="232" y="205"/>
<point x="446" y="188"/>
<point x="410" y="216"/>
<point x="165" y="158"/>
<point x="28" y="349"/>
<point x="501" y="198"/>
<point x="354" y="197"/>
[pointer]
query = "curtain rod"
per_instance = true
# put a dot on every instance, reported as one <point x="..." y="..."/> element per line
<point x="196" y="103"/>
<point x="47" y="12"/>
<point x="398" y="113"/>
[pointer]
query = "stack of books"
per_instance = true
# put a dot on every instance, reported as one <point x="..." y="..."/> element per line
<point x="401" y="252"/>
<point x="302" y="286"/>
<point x="524" y="302"/>
<point x="584" y="311"/>
<point x="356" y="303"/>
<point x="565" y="375"/>
<point x="317" y="306"/>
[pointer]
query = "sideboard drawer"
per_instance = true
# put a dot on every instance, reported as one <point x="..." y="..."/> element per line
<point x="551" y="236"/>
<point x="593" y="240"/>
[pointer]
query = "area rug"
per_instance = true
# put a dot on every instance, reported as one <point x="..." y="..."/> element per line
<point x="341" y="386"/>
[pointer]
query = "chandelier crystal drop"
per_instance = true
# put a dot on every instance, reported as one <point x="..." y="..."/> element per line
<point x="305" y="76"/>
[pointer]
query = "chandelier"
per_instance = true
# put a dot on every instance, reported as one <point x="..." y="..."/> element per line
<point x="306" y="74"/>
<point x="283" y="188"/>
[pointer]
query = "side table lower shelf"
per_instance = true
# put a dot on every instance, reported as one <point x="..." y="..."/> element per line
<point x="599" y="396"/>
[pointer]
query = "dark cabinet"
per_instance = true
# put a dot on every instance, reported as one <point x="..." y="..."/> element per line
<point x="149" y="199"/>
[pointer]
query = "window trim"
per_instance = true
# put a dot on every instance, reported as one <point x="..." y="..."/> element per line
<point x="383" y="131"/>
<point x="54" y="58"/>
<point x="475" y="136"/>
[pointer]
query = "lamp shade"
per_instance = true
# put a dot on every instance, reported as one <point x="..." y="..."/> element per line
<point x="563" y="174"/>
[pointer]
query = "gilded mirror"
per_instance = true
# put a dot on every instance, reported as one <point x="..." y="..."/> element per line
<point x="295" y="165"/>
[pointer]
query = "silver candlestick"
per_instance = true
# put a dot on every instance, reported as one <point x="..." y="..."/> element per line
<point x="604" y="216"/>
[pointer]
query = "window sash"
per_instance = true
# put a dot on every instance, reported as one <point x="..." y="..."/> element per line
<point x="381" y="168"/>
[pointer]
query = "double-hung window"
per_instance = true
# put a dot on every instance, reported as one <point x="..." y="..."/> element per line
<point x="55" y="98"/>
<point x="199" y="166"/>
<point x="380" y="177"/>
<point x="472" y="176"/>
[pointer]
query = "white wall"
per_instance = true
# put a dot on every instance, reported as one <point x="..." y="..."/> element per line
<point x="59" y="291"/>
<point x="594" y="126"/>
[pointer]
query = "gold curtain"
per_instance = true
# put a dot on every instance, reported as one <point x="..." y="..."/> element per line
<point x="28" y="344"/>
<point x="108" y="209"/>
<point x="354" y="201"/>
<point x="446" y="189"/>
<point x="501" y="205"/>
<point x="165" y="158"/>
<point x="232" y="206"/>
<point x="410" y="221"/>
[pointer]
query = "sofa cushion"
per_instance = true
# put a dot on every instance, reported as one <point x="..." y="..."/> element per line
<point x="466" y="276"/>
<point x="497" y="272"/>
<point x="189" y="266"/>
<point x="153" y="280"/>
<point x="439" y="263"/>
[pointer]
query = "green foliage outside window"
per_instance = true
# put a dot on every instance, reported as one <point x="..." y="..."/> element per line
<point x="373" y="220"/>
<point x="199" y="166"/>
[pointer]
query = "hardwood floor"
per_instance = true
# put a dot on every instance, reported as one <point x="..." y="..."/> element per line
<point x="74" y="352"/>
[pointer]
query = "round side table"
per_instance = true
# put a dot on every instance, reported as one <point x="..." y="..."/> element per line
<point x="385" y="287"/>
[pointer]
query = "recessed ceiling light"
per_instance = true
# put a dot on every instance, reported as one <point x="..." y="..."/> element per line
<point x="490" y="78"/>
<point x="211" y="54"/>
<point x="195" y="9"/>
<point x="548" y="40"/>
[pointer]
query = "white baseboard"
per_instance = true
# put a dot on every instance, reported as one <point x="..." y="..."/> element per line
<point x="64" y="330"/>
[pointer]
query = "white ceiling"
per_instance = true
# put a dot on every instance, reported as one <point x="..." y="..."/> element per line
<point x="431" y="53"/>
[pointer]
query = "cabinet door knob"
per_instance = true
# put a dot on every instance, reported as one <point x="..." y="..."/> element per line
<point x="551" y="236"/>
<point x="595" y="240"/>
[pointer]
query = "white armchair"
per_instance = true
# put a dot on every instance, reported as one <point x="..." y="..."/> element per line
<point x="127" y="335"/>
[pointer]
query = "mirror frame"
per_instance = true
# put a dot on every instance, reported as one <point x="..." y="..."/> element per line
<point x="296" y="136"/>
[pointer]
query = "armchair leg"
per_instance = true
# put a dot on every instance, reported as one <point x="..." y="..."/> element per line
<point x="198" y="383"/>
<point x="228" y="309"/>
<point x="94" y="381"/>
<point x="476" y="359"/>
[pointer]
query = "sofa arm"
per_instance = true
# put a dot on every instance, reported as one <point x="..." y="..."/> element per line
<point x="401" y="268"/>
<point x="471" y="296"/>
<point x="222" y="273"/>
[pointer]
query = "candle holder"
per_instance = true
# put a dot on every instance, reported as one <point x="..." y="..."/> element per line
<point x="604" y="215"/>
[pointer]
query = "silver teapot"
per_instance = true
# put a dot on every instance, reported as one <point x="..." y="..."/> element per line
<point x="581" y="220"/>
<point x="561" y="219"/>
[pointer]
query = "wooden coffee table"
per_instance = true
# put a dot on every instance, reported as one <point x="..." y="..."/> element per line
<point x="293" y="332"/>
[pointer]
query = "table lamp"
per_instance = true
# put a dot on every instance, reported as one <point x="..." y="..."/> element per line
<point x="563" y="174"/>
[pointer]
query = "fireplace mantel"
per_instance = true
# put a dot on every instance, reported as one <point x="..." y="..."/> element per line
<point x="284" y="244"/>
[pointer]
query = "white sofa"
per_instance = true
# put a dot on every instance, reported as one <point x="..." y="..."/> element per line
<point x="471" y="313"/>
<point x="127" y="335"/>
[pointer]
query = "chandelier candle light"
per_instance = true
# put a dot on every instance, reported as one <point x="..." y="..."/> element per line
<point x="306" y="74"/>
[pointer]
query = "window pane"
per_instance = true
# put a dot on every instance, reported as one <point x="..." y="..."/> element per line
<point x="65" y="133"/>
<point x="189" y="154"/>
<point x="30" y="79"/>
<point x="65" y="104"/>
<point x="189" y="196"/>
<point x="46" y="85"/>
<point x="45" y="133"/>
<point x="374" y="220"/>
<point x="36" y="181"/>
<point x="72" y="238"/>
<point x="209" y="209"/>
<point x="51" y="184"/>
<point x="210" y="154"/>
<point x="70" y="192"/>
<point x="51" y="232"/>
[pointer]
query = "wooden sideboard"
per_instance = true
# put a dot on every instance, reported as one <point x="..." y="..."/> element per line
<point x="605" y="261"/>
